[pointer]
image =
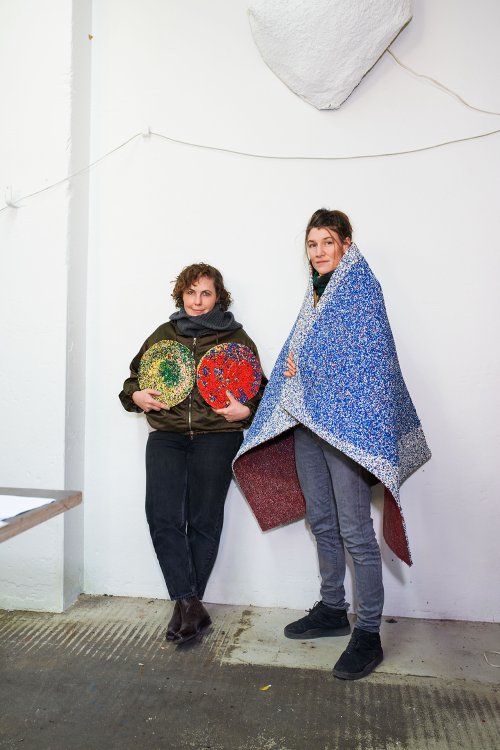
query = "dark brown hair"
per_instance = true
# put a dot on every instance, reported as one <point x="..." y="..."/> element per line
<point x="336" y="220"/>
<point x="192" y="273"/>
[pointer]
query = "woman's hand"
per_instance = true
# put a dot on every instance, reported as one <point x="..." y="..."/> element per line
<point x="145" y="400"/>
<point x="235" y="412"/>
<point x="291" y="367"/>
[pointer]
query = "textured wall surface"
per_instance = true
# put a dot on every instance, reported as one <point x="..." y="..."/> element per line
<point x="43" y="246"/>
<point x="426" y="230"/>
<point x="427" y="223"/>
<point x="322" y="49"/>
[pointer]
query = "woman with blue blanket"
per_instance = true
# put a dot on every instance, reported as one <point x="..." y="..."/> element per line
<point x="335" y="419"/>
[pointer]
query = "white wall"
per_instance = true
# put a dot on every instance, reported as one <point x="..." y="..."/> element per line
<point x="426" y="222"/>
<point x="43" y="60"/>
<point x="35" y="130"/>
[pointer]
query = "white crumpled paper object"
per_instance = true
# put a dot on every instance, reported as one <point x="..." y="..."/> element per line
<point x="321" y="49"/>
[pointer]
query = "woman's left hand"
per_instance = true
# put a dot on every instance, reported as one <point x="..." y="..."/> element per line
<point x="235" y="411"/>
<point x="291" y="367"/>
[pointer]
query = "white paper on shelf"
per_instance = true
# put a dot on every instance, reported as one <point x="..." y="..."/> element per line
<point x="12" y="505"/>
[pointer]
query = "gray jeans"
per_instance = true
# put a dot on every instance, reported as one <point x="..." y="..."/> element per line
<point x="338" y="496"/>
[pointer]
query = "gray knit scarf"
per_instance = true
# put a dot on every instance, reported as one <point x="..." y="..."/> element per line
<point x="201" y="325"/>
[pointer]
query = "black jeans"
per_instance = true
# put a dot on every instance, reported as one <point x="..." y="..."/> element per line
<point x="187" y="480"/>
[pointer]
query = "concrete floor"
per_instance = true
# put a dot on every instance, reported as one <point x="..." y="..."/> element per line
<point x="102" y="676"/>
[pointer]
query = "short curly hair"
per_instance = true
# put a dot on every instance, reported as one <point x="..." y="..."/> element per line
<point x="192" y="273"/>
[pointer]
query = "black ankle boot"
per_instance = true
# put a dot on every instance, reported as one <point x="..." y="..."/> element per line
<point x="321" y="621"/>
<point x="194" y="619"/>
<point x="175" y="622"/>
<point x="362" y="655"/>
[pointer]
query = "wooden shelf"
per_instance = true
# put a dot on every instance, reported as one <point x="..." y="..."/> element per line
<point x="63" y="500"/>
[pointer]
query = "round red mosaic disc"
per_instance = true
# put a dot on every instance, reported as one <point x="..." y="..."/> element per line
<point x="228" y="367"/>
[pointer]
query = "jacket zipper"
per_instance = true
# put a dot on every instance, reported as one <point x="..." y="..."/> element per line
<point x="191" y="398"/>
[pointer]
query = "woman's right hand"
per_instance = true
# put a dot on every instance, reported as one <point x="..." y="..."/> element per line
<point x="145" y="400"/>
<point x="291" y="368"/>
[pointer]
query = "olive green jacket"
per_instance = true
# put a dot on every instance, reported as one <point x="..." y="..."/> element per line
<point x="193" y="415"/>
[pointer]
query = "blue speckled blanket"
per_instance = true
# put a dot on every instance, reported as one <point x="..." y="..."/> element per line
<point x="348" y="389"/>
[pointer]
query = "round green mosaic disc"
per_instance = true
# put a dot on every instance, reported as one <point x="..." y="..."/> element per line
<point x="168" y="367"/>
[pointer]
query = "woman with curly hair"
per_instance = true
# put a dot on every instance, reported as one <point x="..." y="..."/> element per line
<point x="190" y="448"/>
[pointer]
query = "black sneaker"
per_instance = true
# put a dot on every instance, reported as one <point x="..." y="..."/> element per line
<point x="362" y="655"/>
<point x="321" y="621"/>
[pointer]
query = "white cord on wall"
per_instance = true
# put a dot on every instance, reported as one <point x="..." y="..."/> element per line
<point x="10" y="202"/>
<point x="440" y="86"/>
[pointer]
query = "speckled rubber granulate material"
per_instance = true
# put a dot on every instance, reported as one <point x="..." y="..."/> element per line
<point x="349" y="390"/>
